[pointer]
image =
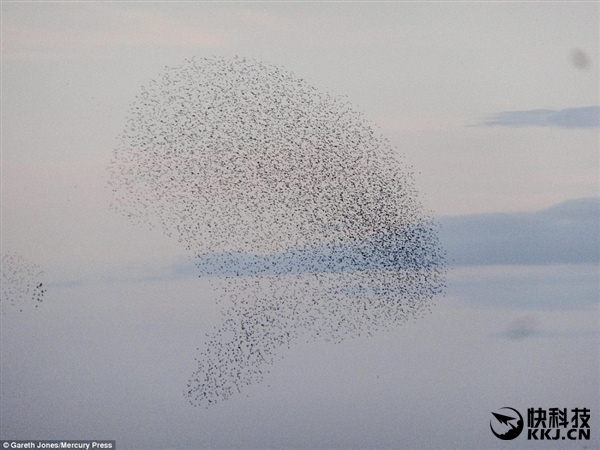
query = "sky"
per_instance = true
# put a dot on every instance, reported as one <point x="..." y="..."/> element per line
<point x="493" y="105"/>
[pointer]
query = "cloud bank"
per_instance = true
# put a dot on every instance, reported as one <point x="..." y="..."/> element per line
<point x="400" y="250"/>
<point x="567" y="233"/>
<point x="583" y="117"/>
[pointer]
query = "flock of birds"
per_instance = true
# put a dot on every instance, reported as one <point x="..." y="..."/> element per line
<point x="303" y="217"/>
<point x="21" y="287"/>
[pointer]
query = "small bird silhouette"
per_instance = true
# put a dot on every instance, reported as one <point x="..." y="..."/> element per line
<point x="21" y="288"/>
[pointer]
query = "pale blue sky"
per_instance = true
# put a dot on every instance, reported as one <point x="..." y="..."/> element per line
<point x="114" y="341"/>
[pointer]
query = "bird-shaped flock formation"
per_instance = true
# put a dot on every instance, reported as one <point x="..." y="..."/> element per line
<point x="300" y="213"/>
<point x="21" y="285"/>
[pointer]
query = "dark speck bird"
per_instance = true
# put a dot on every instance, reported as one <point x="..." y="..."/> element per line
<point x="21" y="288"/>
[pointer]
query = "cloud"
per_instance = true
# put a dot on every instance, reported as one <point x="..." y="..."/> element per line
<point x="583" y="117"/>
<point x="567" y="233"/>
<point x="404" y="249"/>
<point x="543" y="260"/>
